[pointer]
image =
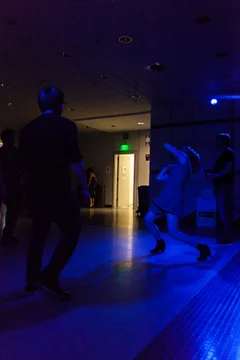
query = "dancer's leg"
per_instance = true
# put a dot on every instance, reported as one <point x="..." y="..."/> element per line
<point x="150" y="222"/>
<point x="173" y="230"/>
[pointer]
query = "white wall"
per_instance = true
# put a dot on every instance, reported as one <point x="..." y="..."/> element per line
<point x="98" y="151"/>
<point x="137" y="145"/>
<point x="195" y="124"/>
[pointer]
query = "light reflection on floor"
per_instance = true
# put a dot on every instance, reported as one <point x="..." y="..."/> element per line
<point x="122" y="296"/>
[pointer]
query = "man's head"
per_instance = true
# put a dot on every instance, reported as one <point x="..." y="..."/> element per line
<point x="223" y="141"/>
<point x="8" y="137"/>
<point x="51" y="98"/>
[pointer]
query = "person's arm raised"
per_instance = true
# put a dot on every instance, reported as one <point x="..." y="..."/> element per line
<point x="177" y="153"/>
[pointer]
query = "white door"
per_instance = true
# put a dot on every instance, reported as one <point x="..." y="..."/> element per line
<point x="124" y="180"/>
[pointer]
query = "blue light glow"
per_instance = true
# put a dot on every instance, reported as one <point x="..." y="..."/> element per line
<point x="214" y="101"/>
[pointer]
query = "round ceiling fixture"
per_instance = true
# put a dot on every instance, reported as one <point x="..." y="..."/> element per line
<point x="222" y="54"/>
<point x="125" y="39"/>
<point x="140" y="123"/>
<point x="214" y="102"/>
<point x="10" y="21"/>
<point x="136" y="97"/>
<point x="202" y="20"/>
<point x="66" y="54"/>
<point x="156" y="67"/>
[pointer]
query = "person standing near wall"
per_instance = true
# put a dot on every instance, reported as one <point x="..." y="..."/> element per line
<point x="48" y="149"/>
<point x="92" y="185"/>
<point x="9" y="161"/>
<point x="223" y="182"/>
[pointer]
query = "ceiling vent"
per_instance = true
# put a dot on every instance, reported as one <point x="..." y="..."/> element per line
<point x="156" y="67"/>
<point x="202" y="20"/>
<point x="125" y="39"/>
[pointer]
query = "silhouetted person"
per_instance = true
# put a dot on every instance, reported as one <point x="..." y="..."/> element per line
<point x="223" y="182"/>
<point x="9" y="161"/>
<point x="48" y="148"/>
<point x="92" y="185"/>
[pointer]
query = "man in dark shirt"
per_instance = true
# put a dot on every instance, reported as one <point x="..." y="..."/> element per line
<point x="223" y="182"/>
<point x="48" y="149"/>
<point x="9" y="161"/>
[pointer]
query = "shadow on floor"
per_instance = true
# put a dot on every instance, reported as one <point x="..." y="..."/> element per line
<point x="112" y="284"/>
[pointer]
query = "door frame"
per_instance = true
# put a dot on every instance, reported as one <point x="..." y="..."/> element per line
<point x="135" y="182"/>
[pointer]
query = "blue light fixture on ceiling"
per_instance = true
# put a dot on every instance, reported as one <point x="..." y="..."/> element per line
<point x="214" y="102"/>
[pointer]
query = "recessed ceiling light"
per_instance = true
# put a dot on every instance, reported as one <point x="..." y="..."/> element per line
<point x="221" y="54"/>
<point x="201" y="20"/>
<point x="125" y="39"/>
<point x="136" y="97"/>
<point x="156" y="67"/>
<point x="140" y="123"/>
<point x="66" y="54"/>
<point x="2" y="85"/>
<point x="10" y="21"/>
<point x="104" y="77"/>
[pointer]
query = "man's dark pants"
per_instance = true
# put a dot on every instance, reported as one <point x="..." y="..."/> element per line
<point x="64" y="210"/>
<point x="225" y="202"/>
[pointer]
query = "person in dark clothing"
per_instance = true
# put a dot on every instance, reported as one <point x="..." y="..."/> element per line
<point x="9" y="161"/>
<point x="48" y="149"/>
<point x="223" y="182"/>
<point x="92" y="185"/>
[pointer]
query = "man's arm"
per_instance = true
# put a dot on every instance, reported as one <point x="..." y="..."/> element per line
<point x="80" y="173"/>
<point x="3" y="192"/>
<point x="227" y="169"/>
<point x="75" y="159"/>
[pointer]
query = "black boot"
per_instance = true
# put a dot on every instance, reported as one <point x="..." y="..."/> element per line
<point x="204" y="252"/>
<point x="52" y="285"/>
<point x="159" y="248"/>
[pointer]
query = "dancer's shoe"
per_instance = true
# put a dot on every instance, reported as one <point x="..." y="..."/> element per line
<point x="205" y="252"/>
<point x="159" y="248"/>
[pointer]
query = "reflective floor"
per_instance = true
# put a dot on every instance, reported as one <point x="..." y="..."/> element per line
<point x="126" y="304"/>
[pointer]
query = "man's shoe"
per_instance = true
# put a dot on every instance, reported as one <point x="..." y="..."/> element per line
<point x="53" y="286"/>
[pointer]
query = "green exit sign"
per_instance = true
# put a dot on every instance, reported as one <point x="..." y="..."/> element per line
<point x="124" y="147"/>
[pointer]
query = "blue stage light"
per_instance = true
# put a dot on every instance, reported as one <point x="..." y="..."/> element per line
<point x="214" y="101"/>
